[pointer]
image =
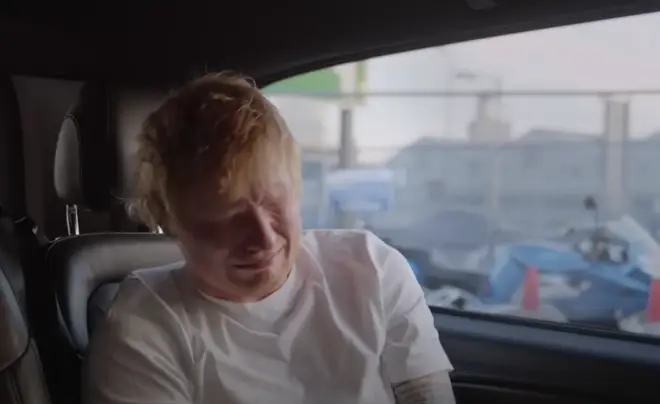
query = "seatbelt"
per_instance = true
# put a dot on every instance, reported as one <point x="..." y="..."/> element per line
<point x="26" y="240"/>
<point x="28" y="236"/>
<point x="22" y="225"/>
<point x="26" y="227"/>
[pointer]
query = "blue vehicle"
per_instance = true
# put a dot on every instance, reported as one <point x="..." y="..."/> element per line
<point x="596" y="280"/>
<point x="593" y="276"/>
<point x="442" y="244"/>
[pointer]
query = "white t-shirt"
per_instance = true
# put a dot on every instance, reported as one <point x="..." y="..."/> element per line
<point x="350" y="321"/>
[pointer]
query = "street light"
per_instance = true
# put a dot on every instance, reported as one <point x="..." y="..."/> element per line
<point x="493" y="147"/>
<point x="494" y="95"/>
<point x="465" y="75"/>
<point x="471" y="75"/>
<point x="455" y="74"/>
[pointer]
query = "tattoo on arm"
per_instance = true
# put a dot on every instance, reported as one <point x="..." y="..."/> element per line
<point x="432" y="389"/>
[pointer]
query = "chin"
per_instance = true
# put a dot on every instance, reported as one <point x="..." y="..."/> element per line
<point x="251" y="279"/>
<point x="260" y="284"/>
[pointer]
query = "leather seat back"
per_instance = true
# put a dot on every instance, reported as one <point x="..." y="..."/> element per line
<point x="88" y="268"/>
<point x="81" y="272"/>
<point x="21" y="377"/>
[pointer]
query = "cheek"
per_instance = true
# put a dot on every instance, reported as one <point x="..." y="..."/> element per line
<point x="292" y="225"/>
<point x="291" y="219"/>
<point x="292" y="209"/>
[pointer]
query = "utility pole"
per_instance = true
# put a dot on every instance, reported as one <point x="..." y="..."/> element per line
<point x="495" y="159"/>
<point x="496" y="151"/>
<point x="616" y="133"/>
<point x="490" y="130"/>
<point x="450" y="77"/>
<point x="346" y="156"/>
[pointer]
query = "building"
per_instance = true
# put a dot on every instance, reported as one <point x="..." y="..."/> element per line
<point x="543" y="177"/>
<point x="316" y="163"/>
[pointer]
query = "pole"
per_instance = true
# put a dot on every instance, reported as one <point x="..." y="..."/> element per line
<point x="616" y="132"/>
<point x="496" y="162"/>
<point x="450" y="76"/>
<point x="448" y="105"/>
<point x="346" y="156"/>
<point x="496" y="150"/>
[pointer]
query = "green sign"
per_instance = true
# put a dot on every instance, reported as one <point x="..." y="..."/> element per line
<point x="332" y="81"/>
<point x="319" y="81"/>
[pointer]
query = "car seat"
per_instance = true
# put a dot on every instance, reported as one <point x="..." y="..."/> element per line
<point x="21" y="377"/>
<point x="80" y="272"/>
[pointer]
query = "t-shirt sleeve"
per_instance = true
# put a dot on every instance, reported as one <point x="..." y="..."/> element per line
<point x="135" y="360"/>
<point x="412" y="346"/>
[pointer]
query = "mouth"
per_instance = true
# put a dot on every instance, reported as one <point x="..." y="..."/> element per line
<point x="258" y="265"/>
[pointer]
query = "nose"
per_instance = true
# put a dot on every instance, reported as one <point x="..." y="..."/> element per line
<point x="262" y="237"/>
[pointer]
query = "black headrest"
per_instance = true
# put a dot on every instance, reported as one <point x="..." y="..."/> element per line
<point x="94" y="157"/>
<point x="85" y="161"/>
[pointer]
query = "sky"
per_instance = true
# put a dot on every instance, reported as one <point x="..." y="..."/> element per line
<point x="614" y="54"/>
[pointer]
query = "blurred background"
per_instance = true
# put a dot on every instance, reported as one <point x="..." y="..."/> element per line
<point x="493" y="155"/>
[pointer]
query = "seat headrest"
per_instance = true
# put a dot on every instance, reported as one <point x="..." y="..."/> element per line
<point x="94" y="163"/>
<point x="84" y="158"/>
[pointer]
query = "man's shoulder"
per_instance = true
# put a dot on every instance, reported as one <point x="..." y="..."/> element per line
<point x="359" y="251"/>
<point x="144" y="334"/>
<point x="352" y="241"/>
<point x="153" y="296"/>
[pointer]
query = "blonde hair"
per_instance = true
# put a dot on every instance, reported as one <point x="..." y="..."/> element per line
<point x="219" y="125"/>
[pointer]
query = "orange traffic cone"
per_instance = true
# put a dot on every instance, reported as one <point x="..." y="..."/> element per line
<point x="653" y="306"/>
<point x="531" y="299"/>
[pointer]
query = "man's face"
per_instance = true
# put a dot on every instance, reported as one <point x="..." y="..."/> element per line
<point x="241" y="250"/>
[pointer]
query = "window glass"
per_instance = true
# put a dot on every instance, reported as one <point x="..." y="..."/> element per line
<point x="517" y="174"/>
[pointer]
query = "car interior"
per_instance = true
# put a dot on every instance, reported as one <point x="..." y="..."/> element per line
<point x="76" y="80"/>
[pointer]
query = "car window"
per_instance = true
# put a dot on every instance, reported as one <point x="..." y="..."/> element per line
<point x="516" y="174"/>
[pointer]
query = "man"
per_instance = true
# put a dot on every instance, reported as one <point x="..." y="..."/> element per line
<point x="260" y="313"/>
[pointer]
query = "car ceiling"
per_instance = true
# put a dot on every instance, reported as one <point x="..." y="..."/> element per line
<point x="126" y="41"/>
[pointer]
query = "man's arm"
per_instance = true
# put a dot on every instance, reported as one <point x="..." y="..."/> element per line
<point x="415" y="363"/>
<point x="432" y="389"/>
<point x="134" y="359"/>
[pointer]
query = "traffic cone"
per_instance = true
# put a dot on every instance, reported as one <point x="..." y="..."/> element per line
<point x="653" y="306"/>
<point x="531" y="299"/>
